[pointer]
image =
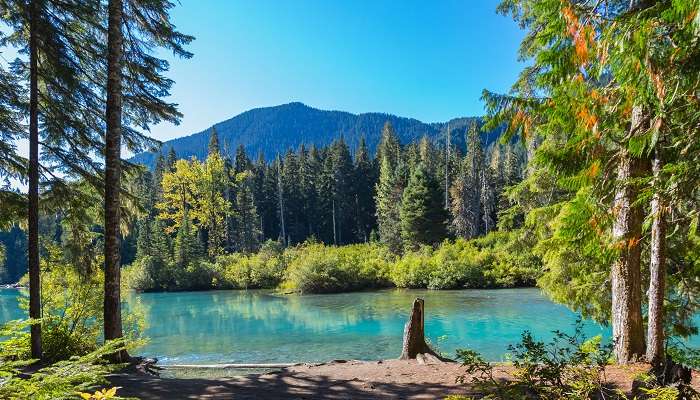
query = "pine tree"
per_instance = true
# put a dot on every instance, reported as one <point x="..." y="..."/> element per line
<point x="422" y="212"/>
<point x="186" y="248"/>
<point x="365" y="181"/>
<point x="242" y="163"/>
<point x="171" y="159"/>
<point x="467" y="190"/>
<point x="389" y="189"/>
<point x="248" y="230"/>
<point x="213" y="147"/>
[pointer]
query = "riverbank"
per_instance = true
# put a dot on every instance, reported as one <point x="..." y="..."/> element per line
<point x="388" y="379"/>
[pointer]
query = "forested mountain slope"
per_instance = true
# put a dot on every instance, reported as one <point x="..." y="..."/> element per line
<point x="273" y="130"/>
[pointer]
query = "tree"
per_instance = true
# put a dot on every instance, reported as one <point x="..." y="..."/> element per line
<point x="364" y="183"/>
<point x="213" y="147"/>
<point x="467" y="190"/>
<point x="422" y="213"/>
<point x="595" y="101"/>
<point x="211" y="208"/>
<point x="247" y="226"/>
<point x="186" y="248"/>
<point x="389" y="189"/>
<point x="112" y="298"/>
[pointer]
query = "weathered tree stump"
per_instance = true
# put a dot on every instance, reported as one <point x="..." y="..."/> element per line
<point x="414" y="345"/>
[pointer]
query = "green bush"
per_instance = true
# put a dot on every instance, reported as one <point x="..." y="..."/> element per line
<point x="499" y="259"/>
<point x="315" y="268"/>
<point x="263" y="270"/>
<point x="71" y="307"/>
<point x="413" y="269"/>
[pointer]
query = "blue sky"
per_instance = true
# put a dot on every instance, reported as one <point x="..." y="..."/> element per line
<point x="424" y="59"/>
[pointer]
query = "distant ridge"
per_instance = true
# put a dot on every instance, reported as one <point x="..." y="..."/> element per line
<point x="273" y="130"/>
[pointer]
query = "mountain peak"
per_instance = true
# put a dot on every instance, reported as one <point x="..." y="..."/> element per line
<point x="272" y="130"/>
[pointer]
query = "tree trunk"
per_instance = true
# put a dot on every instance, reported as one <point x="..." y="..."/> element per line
<point x="657" y="270"/>
<point x="627" y="324"/>
<point x="33" y="195"/>
<point x="112" y="300"/>
<point x="414" y="345"/>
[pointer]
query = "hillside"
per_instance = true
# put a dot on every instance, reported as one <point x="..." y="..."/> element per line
<point x="273" y="130"/>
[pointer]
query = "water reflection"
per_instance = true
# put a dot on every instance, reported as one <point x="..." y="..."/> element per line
<point x="259" y="326"/>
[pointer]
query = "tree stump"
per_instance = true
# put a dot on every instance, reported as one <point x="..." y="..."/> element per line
<point x="414" y="345"/>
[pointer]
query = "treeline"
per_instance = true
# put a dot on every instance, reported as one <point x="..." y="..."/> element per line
<point x="405" y="197"/>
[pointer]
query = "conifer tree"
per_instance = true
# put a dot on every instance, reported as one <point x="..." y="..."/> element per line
<point x="171" y="159"/>
<point x="186" y="248"/>
<point x="247" y="226"/>
<point x="364" y="185"/>
<point x="466" y="192"/>
<point x="389" y="189"/>
<point x="422" y="212"/>
<point x="213" y="146"/>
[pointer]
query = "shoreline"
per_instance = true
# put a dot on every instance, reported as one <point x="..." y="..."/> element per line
<point x="340" y="379"/>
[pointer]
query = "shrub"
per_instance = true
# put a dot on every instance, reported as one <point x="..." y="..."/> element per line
<point x="315" y="268"/>
<point x="458" y="265"/>
<point x="413" y="269"/>
<point x="71" y="304"/>
<point x="61" y="380"/>
<point x="263" y="270"/>
<point x="570" y="367"/>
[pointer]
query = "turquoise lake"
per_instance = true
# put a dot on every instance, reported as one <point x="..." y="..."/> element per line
<point x="263" y="327"/>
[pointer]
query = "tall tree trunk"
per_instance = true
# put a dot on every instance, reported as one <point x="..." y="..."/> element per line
<point x="627" y="324"/>
<point x="657" y="269"/>
<point x="112" y="300"/>
<point x="33" y="172"/>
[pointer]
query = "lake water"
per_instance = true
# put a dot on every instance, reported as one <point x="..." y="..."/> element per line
<point x="263" y="327"/>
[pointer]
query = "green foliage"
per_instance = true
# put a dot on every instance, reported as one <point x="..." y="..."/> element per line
<point x="72" y="303"/>
<point x="315" y="268"/>
<point x="499" y="259"/>
<point x="264" y="269"/>
<point x="61" y="380"/>
<point x="569" y="367"/>
<point x="422" y="210"/>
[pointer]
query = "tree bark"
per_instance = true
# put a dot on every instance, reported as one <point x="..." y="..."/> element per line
<point x="112" y="299"/>
<point x="627" y="324"/>
<point x="414" y="345"/>
<point x="33" y="195"/>
<point x="657" y="270"/>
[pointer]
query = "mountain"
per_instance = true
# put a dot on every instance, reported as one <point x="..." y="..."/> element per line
<point x="273" y="130"/>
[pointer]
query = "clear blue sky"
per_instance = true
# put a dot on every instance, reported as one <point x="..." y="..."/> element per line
<point x="424" y="59"/>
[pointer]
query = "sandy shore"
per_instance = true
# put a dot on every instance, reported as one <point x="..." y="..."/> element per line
<point x="390" y="379"/>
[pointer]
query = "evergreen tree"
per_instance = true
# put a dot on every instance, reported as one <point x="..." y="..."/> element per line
<point x="242" y="163"/>
<point x="186" y="248"/>
<point x="247" y="226"/>
<point x="466" y="192"/>
<point x="389" y="189"/>
<point x="365" y="180"/>
<point x="422" y="212"/>
<point x="171" y="159"/>
<point x="213" y="147"/>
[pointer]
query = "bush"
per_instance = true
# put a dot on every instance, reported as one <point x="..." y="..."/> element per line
<point x="569" y="367"/>
<point x="315" y="268"/>
<point x="263" y="270"/>
<point x="499" y="259"/>
<point x="413" y="269"/>
<point x="71" y="306"/>
<point x="458" y="265"/>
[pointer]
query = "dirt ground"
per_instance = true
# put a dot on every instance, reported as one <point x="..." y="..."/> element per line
<point x="390" y="379"/>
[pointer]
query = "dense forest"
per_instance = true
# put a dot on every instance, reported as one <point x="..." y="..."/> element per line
<point x="592" y="193"/>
